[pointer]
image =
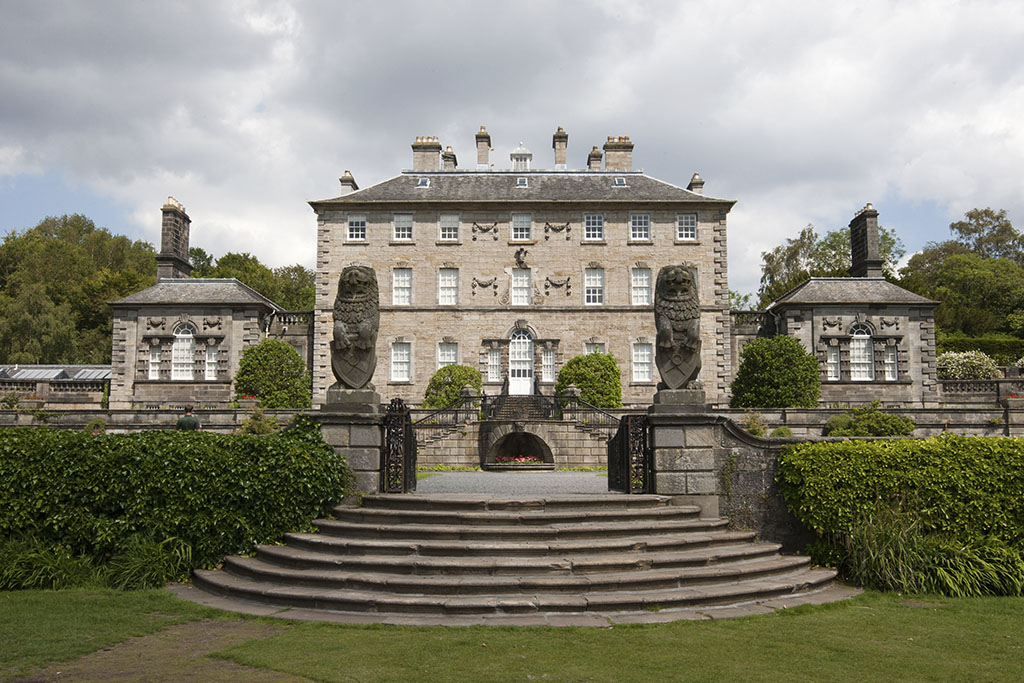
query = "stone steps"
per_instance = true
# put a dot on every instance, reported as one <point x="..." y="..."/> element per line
<point x="507" y="565"/>
<point x="669" y="542"/>
<point x="442" y="557"/>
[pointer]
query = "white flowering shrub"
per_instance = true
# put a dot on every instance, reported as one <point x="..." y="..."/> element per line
<point x="1020" y="362"/>
<point x="967" y="365"/>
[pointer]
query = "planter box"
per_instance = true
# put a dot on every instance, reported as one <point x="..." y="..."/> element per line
<point x="30" y="404"/>
<point x="248" y="404"/>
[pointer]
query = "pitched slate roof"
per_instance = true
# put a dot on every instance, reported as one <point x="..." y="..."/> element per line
<point x="197" y="291"/>
<point x="542" y="186"/>
<point x="849" y="290"/>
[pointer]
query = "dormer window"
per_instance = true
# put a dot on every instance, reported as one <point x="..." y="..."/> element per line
<point x="619" y="182"/>
<point x="423" y="182"/>
<point x="522" y="182"/>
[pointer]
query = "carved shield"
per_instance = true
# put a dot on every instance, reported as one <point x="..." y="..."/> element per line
<point x="353" y="367"/>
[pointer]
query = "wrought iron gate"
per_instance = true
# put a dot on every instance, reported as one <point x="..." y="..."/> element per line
<point x="398" y="471"/>
<point x="629" y="456"/>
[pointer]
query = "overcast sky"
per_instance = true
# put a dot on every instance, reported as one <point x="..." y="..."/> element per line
<point x="243" y="111"/>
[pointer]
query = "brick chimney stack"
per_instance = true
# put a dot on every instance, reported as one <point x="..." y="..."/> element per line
<point x="594" y="159"/>
<point x="172" y="261"/>
<point x="348" y="183"/>
<point x="449" y="161"/>
<point x="866" y="257"/>
<point x="483" y="148"/>
<point x="559" y="141"/>
<point x="425" y="153"/>
<point x="618" y="153"/>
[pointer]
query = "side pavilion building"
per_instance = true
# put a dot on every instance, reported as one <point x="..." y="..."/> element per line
<point x="516" y="271"/>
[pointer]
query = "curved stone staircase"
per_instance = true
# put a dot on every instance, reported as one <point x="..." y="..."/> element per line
<point x="578" y="559"/>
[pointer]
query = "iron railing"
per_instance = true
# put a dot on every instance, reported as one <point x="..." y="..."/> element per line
<point x="430" y="424"/>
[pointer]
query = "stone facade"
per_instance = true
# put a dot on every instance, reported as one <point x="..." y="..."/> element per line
<point x="525" y="268"/>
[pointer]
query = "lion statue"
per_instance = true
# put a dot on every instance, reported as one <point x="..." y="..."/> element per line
<point x="677" y="320"/>
<point x="356" y="320"/>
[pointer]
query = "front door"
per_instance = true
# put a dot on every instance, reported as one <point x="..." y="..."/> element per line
<point x="520" y="363"/>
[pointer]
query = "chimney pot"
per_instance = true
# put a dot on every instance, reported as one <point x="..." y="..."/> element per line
<point x="559" y="142"/>
<point x="696" y="184"/>
<point x="172" y="261"/>
<point x="348" y="183"/>
<point x="483" y="148"/>
<point x="865" y="254"/>
<point x="618" y="153"/>
<point x="448" y="159"/>
<point x="426" y="151"/>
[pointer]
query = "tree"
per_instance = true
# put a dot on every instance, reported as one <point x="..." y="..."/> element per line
<point x="273" y="372"/>
<point x="976" y="295"/>
<point x="247" y="268"/>
<point x="68" y="269"/>
<point x="776" y="372"/>
<point x="296" y="286"/>
<point x="806" y="256"/>
<point x="446" y="385"/>
<point x="597" y="377"/>
<point x="989" y="234"/>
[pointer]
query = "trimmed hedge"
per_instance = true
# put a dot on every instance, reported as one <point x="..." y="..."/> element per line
<point x="776" y="372"/>
<point x="1005" y="350"/>
<point x="940" y="515"/>
<point x="597" y="377"/>
<point x="274" y="372"/>
<point x="446" y="384"/>
<point x="965" y="487"/>
<point x="218" y="493"/>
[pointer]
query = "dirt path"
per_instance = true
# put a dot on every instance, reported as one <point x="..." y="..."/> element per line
<point x="174" y="654"/>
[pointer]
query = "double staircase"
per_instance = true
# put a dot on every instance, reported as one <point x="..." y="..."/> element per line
<point x="464" y="559"/>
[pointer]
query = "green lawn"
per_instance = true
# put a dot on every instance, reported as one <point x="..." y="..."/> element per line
<point x="873" y="637"/>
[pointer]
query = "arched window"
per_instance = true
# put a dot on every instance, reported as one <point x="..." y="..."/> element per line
<point x="862" y="356"/>
<point x="183" y="352"/>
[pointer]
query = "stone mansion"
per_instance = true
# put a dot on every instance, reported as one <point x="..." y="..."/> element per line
<point x="515" y="271"/>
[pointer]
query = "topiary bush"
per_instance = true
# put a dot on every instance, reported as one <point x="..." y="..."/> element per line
<point x="869" y="420"/>
<point x="967" y="365"/>
<point x="446" y="384"/>
<point x="934" y="513"/>
<point x="275" y="373"/>
<point x="782" y="432"/>
<point x="776" y="372"/>
<point x="217" y="494"/>
<point x="597" y="377"/>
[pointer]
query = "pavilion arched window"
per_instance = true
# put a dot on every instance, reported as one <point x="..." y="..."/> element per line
<point x="183" y="352"/>
<point x="862" y="355"/>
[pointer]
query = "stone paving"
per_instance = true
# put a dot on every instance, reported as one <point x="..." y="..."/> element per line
<point x="511" y="484"/>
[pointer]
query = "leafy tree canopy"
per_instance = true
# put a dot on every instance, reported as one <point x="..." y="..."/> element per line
<point x="55" y="281"/>
<point x="977" y="277"/>
<point x="291" y="287"/>
<point x="790" y="264"/>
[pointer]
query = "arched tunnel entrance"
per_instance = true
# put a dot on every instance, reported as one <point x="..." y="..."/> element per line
<point x="519" y="447"/>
